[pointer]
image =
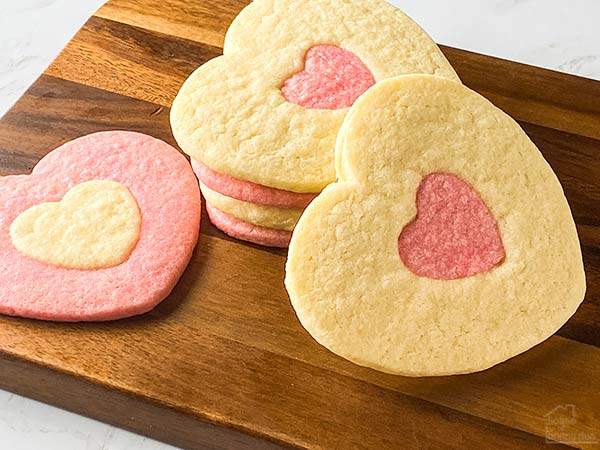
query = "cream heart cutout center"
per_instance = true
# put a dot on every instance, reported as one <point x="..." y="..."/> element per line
<point x="96" y="225"/>
<point x="333" y="78"/>
<point x="454" y="234"/>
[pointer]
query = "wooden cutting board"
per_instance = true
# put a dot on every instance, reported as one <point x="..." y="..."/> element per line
<point x="223" y="363"/>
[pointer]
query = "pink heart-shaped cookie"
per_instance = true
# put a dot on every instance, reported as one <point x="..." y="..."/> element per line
<point x="166" y="192"/>
<point x="333" y="78"/>
<point x="454" y="234"/>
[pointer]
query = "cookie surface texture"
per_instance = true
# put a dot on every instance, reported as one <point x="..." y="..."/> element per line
<point x="246" y="231"/>
<point x="102" y="229"/>
<point x="232" y="114"/>
<point x="96" y="225"/>
<point x="438" y="147"/>
<point x="264" y="216"/>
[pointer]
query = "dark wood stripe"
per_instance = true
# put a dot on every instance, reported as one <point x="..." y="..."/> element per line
<point x="576" y="161"/>
<point x="131" y="61"/>
<point x="54" y="111"/>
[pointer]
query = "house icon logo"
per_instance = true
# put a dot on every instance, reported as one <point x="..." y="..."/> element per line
<point x="561" y="415"/>
<point x="562" y="427"/>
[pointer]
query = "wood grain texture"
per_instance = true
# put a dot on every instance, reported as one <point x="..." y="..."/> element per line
<point x="120" y="409"/>
<point x="130" y="61"/>
<point x="223" y="362"/>
<point x="201" y="21"/>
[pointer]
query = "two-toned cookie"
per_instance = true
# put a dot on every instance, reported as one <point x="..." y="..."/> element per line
<point x="102" y="229"/>
<point x="260" y="122"/>
<point x="447" y="245"/>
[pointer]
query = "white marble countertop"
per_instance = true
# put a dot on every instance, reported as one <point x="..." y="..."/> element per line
<point x="556" y="34"/>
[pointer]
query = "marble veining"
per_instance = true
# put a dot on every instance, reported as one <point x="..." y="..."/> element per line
<point x="556" y="34"/>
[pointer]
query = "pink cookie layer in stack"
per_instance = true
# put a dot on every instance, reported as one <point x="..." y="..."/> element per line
<point x="243" y="209"/>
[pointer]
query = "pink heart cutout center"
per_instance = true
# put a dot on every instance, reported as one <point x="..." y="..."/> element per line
<point x="454" y="234"/>
<point x="333" y="78"/>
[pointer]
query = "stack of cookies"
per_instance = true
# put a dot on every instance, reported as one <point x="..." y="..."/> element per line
<point x="260" y="122"/>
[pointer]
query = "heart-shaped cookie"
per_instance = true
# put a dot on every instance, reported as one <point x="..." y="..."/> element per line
<point x="454" y="234"/>
<point x="102" y="229"/>
<point x="484" y="271"/>
<point x="267" y="112"/>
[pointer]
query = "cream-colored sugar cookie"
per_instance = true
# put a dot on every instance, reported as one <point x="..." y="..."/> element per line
<point x="419" y="160"/>
<point x="386" y="39"/>
<point x="268" y="110"/>
<point x="242" y="126"/>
